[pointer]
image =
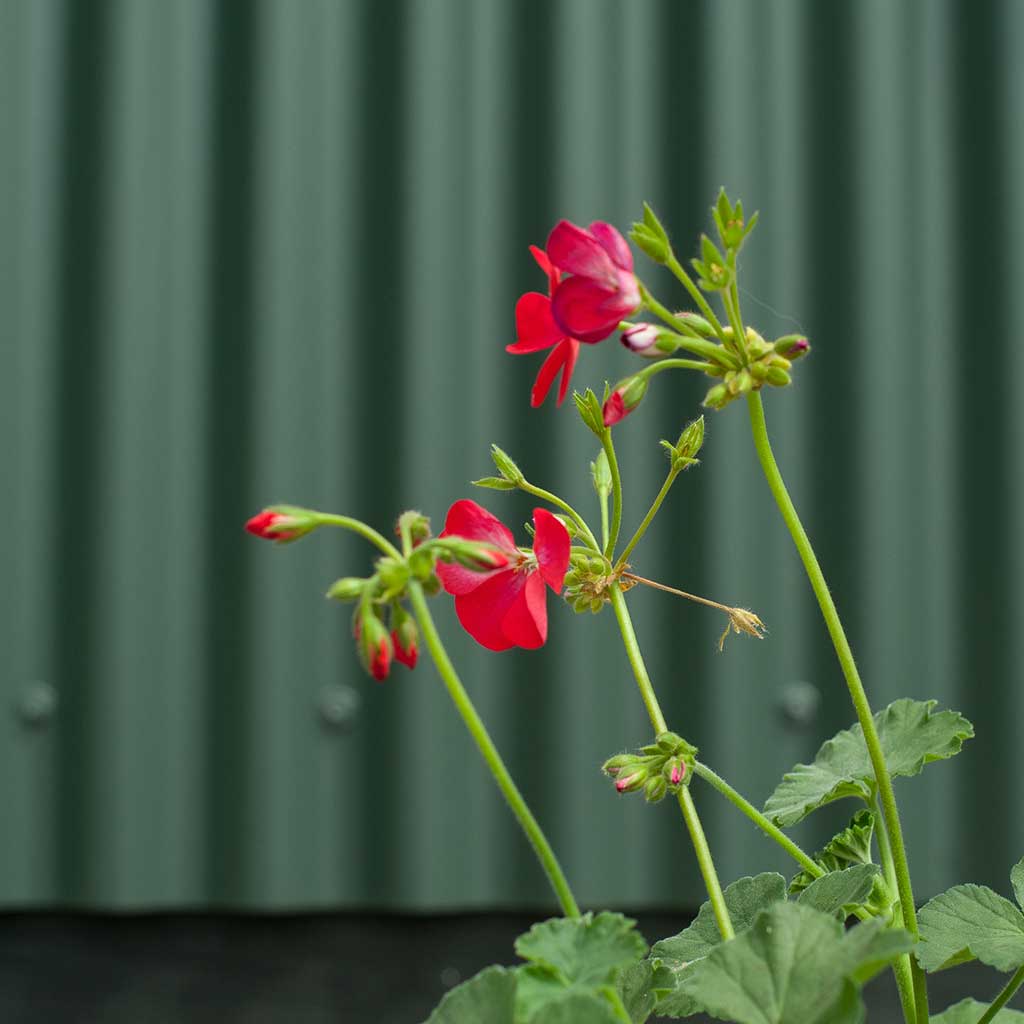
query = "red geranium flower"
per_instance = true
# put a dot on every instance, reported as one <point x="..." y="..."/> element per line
<point x="603" y="288"/>
<point x="262" y="525"/>
<point x="505" y="607"/>
<point x="536" y="329"/>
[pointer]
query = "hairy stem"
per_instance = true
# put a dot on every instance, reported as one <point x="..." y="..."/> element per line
<point x="651" y="513"/>
<point x="1004" y="996"/>
<point x="364" y="531"/>
<point x="763" y="823"/>
<point x="700" y="844"/>
<point x="554" y="499"/>
<point x="613" y="466"/>
<point x="853" y="682"/>
<point x="485" y="744"/>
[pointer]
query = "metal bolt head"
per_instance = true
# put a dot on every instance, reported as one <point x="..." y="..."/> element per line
<point x="37" y="704"/>
<point x="338" y="706"/>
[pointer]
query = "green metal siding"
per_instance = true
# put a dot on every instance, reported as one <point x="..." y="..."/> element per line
<point x="259" y="251"/>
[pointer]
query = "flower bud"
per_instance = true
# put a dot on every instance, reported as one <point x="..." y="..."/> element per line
<point x="792" y="346"/>
<point x="650" y="237"/>
<point x="614" y="765"/>
<point x="590" y="411"/>
<point x="416" y="523"/>
<point x="348" y="588"/>
<point x="405" y="637"/>
<point x="655" y="788"/>
<point x="471" y="554"/>
<point x="393" y="574"/>
<point x="691" y="440"/>
<point x="506" y="467"/>
<point x="675" y="770"/>
<point x="631" y="782"/>
<point x="282" y="523"/>
<point x="777" y="377"/>
<point x="641" y="338"/>
<point x="696" y="322"/>
<point x="717" y="397"/>
<point x="373" y="644"/>
<point x="421" y="563"/>
<point x="624" y="399"/>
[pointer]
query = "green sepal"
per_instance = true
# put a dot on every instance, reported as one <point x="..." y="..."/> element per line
<point x="348" y="588"/>
<point x="507" y="467"/>
<point x="494" y="483"/>
<point x="601" y="475"/>
<point x="911" y="734"/>
<point x="590" y="410"/>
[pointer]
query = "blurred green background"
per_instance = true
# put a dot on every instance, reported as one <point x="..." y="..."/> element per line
<point x="270" y="250"/>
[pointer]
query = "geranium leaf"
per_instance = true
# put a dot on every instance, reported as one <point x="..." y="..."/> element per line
<point x="642" y="985"/>
<point x="487" y="998"/>
<point x="911" y="734"/>
<point x="839" y="892"/>
<point x="684" y="953"/>
<point x="1017" y="881"/>
<point x="573" y="955"/>
<point x="795" y="965"/>
<point x="575" y="1008"/>
<point x="969" y="1011"/>
<point x="587" y="949"/>
<point x="968" y="922"/>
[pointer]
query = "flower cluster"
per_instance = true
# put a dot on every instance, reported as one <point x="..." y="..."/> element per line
<point x="584" y="308"/>
<point x="660" y="767"/>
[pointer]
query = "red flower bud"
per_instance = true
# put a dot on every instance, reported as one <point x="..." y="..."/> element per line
<point x="624" y="399"/>
<point x="640" y="338"/>
<point x="269" y="526"/>
<point x="405" y="638"/>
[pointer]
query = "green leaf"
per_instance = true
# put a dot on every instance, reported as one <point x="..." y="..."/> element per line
<point x="684" y="953"/>
<point x="487" y="998"/>
<point x="911" y="736"/>
<point x="851" y="846"/>
<point x="795" y="965"/>
<point x="839" y="892"/>
<point x="968" y="922"/>
<point x="1017" y="881"/>
<point x="642" y="985"/>
<point x="576" y="1008"/>
<point x="969" y="1011"/>
<point x="580" y="955"/>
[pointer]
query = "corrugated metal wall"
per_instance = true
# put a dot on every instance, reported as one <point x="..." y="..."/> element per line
<point x="258" y="251"/>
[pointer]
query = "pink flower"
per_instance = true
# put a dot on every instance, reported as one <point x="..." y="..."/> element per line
<point x="505" y="607"/>
<point x="262" y="524"/>
<point x="536" y="330"/>
<point x="603" y="288"/>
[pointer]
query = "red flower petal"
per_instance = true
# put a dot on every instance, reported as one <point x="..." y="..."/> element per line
<point x="613" y="243"/>
<point x="468" y="519"/>
<point x="525" y="623"/>
<point x="551" y="546"/>
<point x="482" y="610"/>
<point x="572" y="347"/>
<point x="577" y="252"/>
<point x="548" y="371"/>
<point x="407" y="656"/>
<point x="614" y="409"/>
<point x="535" y="326"/>
<point x="547" y="266"/>
<point x="579" y="307"/>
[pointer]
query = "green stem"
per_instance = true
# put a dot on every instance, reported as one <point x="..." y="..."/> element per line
<point x="364" y="531"/>
<point x="490" y="754"/>
<point x="691" y="340"/>
<point x="885" y="853"/>
<point x="707" y="865"/>
<point x="613" y="466"/>
<point x="700" y="844"/>
<point x="603" y="499"/>
<point x="554" y="499"/>
<point x="730" y="299"/>
<point x="674" y="364"/>
<point x="1004" y="997"/>
<point x="702" y="304"/>
<point x="651" y="512"/>
<point x="853" y="682"/>
<point x="763" y="823"/>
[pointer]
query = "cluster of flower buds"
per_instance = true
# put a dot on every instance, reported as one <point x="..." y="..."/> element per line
<point x="588" y="581"/>
<point x="767" y="363"/>
<point x="660" y="767"/>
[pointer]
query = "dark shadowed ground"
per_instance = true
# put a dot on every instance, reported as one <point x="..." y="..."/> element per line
<point x="308" y="969"/>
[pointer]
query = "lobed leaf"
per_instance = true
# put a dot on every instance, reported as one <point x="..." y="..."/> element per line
<point x="486" y="998"/>
<point x="576" y="1008"/>
<point x="795" y="965"/>
<point x="911" y="735"/>
<point x="641" y="986"/>
<point x="970" y="922"/>
<point x="839" y="892"/>
<point x="969" y="1011"/>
